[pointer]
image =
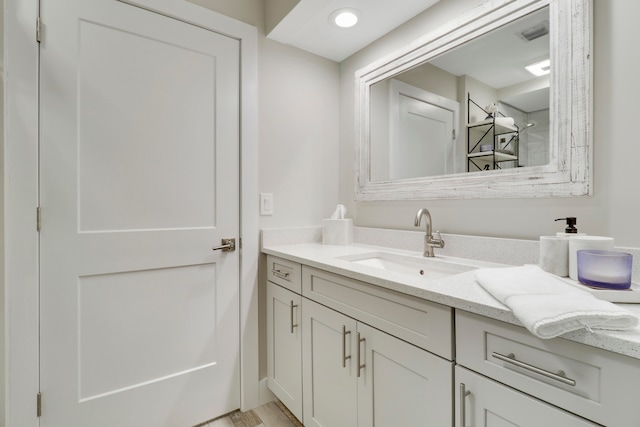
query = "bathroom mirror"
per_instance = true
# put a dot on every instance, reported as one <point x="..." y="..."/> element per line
<point x="424" y="129"/>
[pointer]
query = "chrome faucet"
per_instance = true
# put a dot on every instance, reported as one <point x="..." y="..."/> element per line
<point x="429" y="241"/>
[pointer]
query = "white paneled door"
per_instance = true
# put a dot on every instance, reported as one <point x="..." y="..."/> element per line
<point x="139" y="179"/>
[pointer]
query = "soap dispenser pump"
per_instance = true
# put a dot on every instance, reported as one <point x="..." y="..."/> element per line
<point x="571" y="224"/>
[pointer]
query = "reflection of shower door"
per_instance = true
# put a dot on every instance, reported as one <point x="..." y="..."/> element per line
<point x="422" y="133"/>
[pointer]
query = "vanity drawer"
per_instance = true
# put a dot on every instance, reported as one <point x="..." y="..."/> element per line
<point x="587" y="381"/>
<point x="425" y="324"/>
<point x="285" y="273"/>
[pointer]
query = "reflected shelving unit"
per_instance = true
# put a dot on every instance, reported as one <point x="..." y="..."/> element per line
<point x="492" y="143"/>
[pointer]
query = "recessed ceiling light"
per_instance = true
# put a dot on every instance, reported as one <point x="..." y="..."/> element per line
<point x="344" y="18"/>
<point x="539" y="68"/>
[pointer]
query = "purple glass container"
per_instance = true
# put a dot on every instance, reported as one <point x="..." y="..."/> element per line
<point x="604" y="269"/>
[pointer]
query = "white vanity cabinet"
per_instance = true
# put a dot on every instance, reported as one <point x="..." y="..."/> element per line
<point x="284" y="335"/>
<point x="597" y="385"/>
<point x="366" y="353"/>
<point x="343" y="352"/>
<point x="355" y="374"/>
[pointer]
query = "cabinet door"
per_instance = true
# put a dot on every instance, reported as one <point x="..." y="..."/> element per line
<point x="329" y="379"/>
<point x="284" y="347"/>
<point x="400" y="384"/>
<point x="487" y="403"/>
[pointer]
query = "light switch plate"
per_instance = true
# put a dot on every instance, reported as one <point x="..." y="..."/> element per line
<point x="266" y="204"/>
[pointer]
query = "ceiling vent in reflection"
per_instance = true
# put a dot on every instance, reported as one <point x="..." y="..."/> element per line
<point x="537" y="31"/>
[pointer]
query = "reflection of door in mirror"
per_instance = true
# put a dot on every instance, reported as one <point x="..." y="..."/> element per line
<point x="421" y="128"/>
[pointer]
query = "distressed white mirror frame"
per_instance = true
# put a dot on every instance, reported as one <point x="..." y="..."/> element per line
<point x="568" y="173"/>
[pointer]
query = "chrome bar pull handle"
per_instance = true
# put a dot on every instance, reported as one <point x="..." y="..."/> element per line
<point x="280" y="274"/>
<point x="227" y="245"/>
<point x="557" y="376"/>
<point x="360" y="341"/>
<point x="463" y="409"/>
<point x="344" y="346"/>
<point x="293" y="324"/>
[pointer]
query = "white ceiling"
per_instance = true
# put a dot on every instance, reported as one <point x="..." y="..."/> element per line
<point x="308" y="27"/>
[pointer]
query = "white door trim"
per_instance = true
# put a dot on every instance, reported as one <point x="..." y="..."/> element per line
<point x="21" y="200"/>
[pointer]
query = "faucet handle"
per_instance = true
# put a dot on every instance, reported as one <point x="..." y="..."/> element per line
<point x="438" y="240"/>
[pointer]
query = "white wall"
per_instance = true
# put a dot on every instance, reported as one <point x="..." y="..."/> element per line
<point x="614" y="207"/>
<point x="299" y="146"/>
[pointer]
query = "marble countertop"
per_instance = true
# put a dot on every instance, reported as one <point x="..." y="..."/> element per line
<point x="459" y="291"/>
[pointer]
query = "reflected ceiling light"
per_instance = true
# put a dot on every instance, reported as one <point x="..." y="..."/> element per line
<point x="539" y="68"/>
<point x="344" y="18"/>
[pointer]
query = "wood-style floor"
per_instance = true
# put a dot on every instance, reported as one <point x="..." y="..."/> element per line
<point x="273" y="414"/>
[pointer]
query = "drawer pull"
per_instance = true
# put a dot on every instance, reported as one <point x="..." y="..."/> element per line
<point x="293" y="325"/>
<point x="360" y="341"/>
<point x="558" y="376"/>
<point x="344" y="346"/>
<point x="280" y="274"/>
<point x="463" y="396"/>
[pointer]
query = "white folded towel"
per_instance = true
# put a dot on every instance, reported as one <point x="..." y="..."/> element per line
<point x="505" y="121"/>
<point x="549" y="307"/>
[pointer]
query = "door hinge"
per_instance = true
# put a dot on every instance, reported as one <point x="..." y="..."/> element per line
<point x="453" y="134"/>
<point x="39" y="405"/>
<point x="38" y="218"/>
<point x="38" y="29"/>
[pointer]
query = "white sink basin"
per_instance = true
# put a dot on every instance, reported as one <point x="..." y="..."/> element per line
<point x="430" y="268"/>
